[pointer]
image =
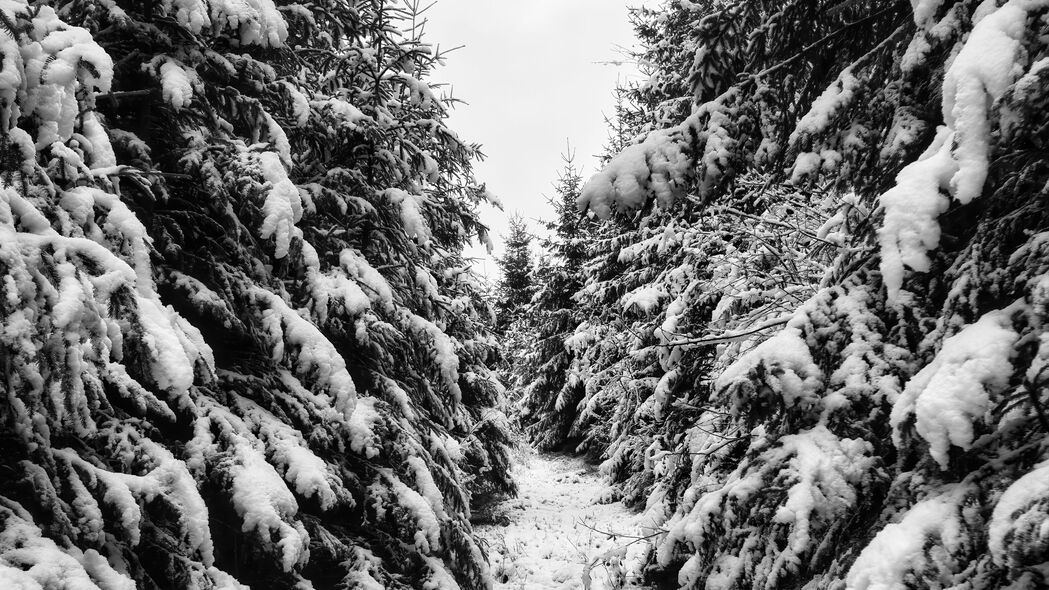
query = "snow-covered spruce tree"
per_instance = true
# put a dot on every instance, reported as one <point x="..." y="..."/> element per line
<point x="240" y="345"/>
<point x="550" y="393"/>
<point x="516" y="281"/>
<point x="868" y="410"/>
<point x="514" y="292"/>
<point x="681" y="272"/>
<point x="660" y="272"/>
<point x="669" y="41"/>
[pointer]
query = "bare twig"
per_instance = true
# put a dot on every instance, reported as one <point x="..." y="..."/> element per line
<point x="610" y="534"/>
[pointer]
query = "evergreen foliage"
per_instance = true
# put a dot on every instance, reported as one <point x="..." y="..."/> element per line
<point x="516" y="285"/>
<point x="811" y="342"/>
<point x="240" y="344"/>
<point x="549" y="392"/>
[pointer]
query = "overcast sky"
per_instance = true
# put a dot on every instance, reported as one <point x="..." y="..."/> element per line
<point x="535" y="75"/>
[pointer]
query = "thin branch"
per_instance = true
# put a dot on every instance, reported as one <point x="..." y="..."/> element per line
<point x="808" y="48"/>
<point x="129" y="172"/>
<point x="635" y="538"/>
<point x="115" y="96"/>
<point x="687" y="406"/>
<point x="782" y="224"/>
<point x="773" y="323"/>
<point x="725" y="444"/>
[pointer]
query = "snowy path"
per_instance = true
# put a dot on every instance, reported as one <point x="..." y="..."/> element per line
<point x="553" y="530"/>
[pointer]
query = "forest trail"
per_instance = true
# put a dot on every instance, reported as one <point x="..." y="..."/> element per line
<point x="557" y="526"/>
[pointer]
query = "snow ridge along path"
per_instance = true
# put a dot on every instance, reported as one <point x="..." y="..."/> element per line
<point x="561" y="534"/>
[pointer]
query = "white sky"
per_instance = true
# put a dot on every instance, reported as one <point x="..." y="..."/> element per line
<point x="532" y="76"/>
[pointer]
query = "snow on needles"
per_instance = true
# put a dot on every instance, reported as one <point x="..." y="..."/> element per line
<point x="444" y="350"/>
<point x="658" y="166"/>
<point x="411" y="210"/>
<point x="796" y="377"/>
<point x="97" y="362"/>
<point x="924" y="10"/>
<point x="40" y="79"/>
<point x="173" y="346"/>
<point x="955" y="388"/>
<point x="176" y="83"/>
<point x="836" y="98"/>
<point x="910" y="230"/>
<point x="313" y="354"/>
<point x="897" y="550"/>
<point x="823" y="110"/>
<point x="428" y="534"/>
<point x="980" y="75"/>
<point x="282" y="207"/>
<point x="646" y="298"/>
<point x="37" y="562"/>
<point x="257" y="21"/>
<point x="1020" y="522"/>
<point x="957" y="160"/>
<point x="264" y="504"/>
<point x="824" y="473"/>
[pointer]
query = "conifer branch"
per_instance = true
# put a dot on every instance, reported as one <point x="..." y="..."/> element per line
<point x="819" y="43"/>
<point x="710" y="340"/>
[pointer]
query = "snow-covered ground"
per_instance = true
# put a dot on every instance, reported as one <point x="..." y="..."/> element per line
<point x="560" y="533"/>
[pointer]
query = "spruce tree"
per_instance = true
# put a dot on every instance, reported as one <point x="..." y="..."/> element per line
<point x="240" y="343"/>
<point x="833" y="273"/>
<point x="516" y="285"/>
<point x="550" y="393"/>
